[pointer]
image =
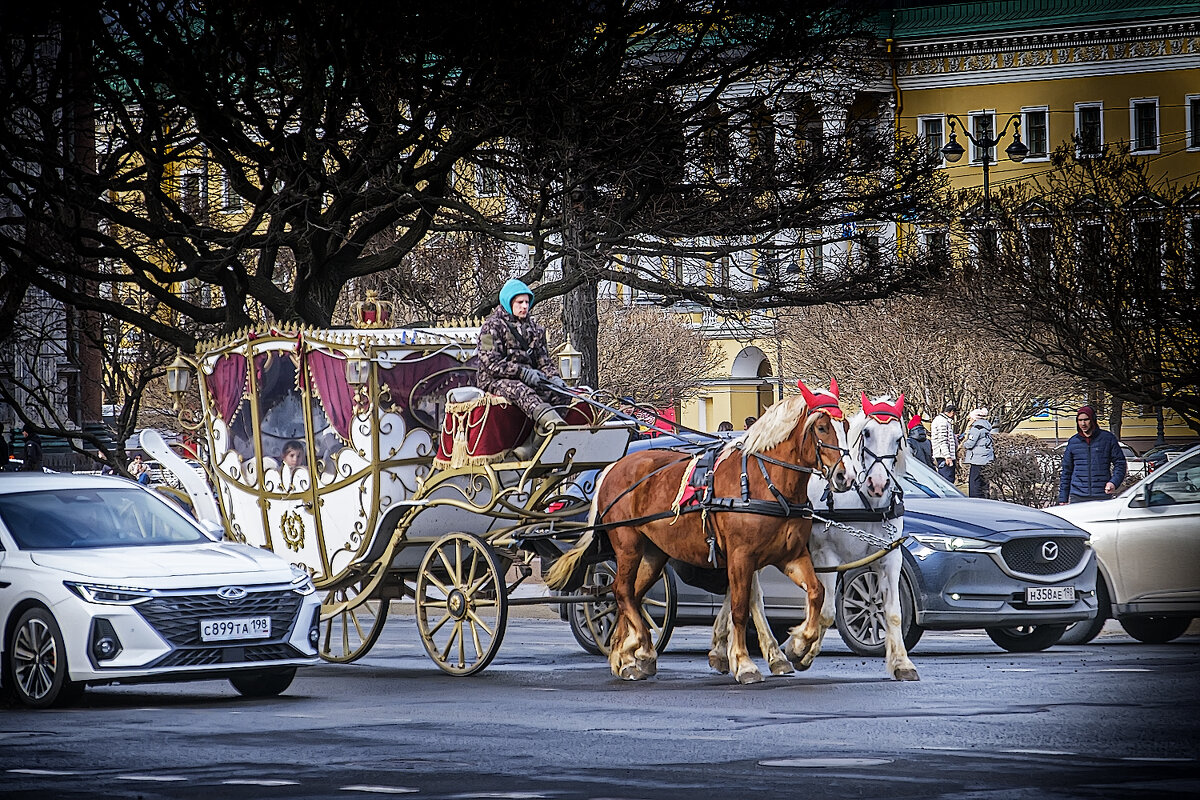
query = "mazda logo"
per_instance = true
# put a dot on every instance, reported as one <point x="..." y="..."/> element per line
<point x="231" y="593"/>
<point x="1049" y="551"/>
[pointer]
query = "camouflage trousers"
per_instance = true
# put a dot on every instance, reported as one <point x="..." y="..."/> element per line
<point x="524" y="396"/>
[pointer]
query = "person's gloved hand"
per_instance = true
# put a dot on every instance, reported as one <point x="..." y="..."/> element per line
<point x="532" y="377"/>
<point x="557" y="382"/>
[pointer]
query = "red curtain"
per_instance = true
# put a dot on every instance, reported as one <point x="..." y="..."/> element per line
<point x="227" y="384"/>
<point x="329" y="381"/>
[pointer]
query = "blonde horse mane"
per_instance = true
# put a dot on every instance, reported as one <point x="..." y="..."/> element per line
<point x="774" y="426"/>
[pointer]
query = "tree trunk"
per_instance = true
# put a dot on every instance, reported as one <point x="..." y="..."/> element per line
<point x="581" y="322"/>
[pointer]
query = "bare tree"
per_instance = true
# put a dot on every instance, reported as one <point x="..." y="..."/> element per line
<point x="926" y="348"/>
<point x="1089" y="270"/>
<point x="275" y="155"/>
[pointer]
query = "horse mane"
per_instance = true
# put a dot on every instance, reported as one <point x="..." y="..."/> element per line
<point x="859" y="421"/>
<point x="773" y="427"/>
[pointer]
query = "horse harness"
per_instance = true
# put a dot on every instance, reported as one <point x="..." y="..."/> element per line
<point x="699" y="478"/>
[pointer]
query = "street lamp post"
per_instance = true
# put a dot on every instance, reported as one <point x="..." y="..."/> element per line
<point x="1017" y="151"/>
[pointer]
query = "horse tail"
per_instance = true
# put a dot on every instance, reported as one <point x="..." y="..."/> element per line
<point x="562" y="569"/>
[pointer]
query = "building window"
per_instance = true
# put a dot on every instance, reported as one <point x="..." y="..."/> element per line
<point x="1192" y="103"/>
<point x="1191" y="274"/>
<point x="983" y="125"/>
<point x="937" y="244"/>
<point x="815" y="256"/>
<point x="932" y="132"/>
<point x="1143" y="125"/>
<point x="1089" y="128"/>
<point x="718" y="149"/>
<point x="870" y="251"/>
<point x="1147" y="252"/>
<point x="1035" y="125"/>
<point x="1041" y="251"/>
<point x="487" y="182"/>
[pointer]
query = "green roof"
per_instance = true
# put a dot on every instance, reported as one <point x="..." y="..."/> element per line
<point x="917" y="19"/>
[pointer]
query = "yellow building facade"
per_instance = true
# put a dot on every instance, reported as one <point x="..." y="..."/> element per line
<point x="1101" y="73"/>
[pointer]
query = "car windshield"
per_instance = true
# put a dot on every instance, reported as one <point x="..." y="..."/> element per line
<point x="62" y="519"/>
<point x="922" y="479"/>
<point x="1176" y="482"/>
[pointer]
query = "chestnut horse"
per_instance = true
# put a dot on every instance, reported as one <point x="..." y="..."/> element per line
<point x="770" y="468"/>
<point x="875" y="509"/>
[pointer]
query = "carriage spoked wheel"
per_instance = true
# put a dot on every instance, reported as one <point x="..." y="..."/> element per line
<point x="592" y="623"/>
<point x="352" y="619"/>
<point x="461" y="603"/>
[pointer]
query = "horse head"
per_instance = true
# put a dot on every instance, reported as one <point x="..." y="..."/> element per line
<point x="827" y="423"/>
<point x="877" y="441"/>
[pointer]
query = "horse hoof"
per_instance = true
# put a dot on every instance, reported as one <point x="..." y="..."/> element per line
<point x="906" y="675"/>
<point x="647" y="667"/>
<point x="748" y="676"/>
<point x="719" y="663"/>
<point x="630" y="673"/>
<point x="783" y="667"/>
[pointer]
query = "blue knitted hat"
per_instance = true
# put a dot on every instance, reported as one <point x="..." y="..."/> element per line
<point x="511" y="290"/>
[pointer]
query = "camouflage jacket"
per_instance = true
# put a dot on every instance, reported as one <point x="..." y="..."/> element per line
<point x="507" y="343"/>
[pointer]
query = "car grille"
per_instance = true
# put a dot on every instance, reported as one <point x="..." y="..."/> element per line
<point x="1031" y="555"/>
<point x="177" y="617"/>
<point x="238" y="654"/>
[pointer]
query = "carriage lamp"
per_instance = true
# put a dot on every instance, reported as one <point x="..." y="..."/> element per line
<point x="179" y="376"/>
<point x="570" y="363"/>
<point x="358" y="369"/>
<point x="984" y="141"/>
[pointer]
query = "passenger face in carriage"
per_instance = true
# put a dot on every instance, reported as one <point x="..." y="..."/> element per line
<point x="293" y="454"/>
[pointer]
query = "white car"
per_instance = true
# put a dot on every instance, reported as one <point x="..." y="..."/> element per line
<point x="102" y="581"/>
<point x="1147" y="540"/>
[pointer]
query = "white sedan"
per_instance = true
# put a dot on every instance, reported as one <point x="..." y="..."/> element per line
<point x="102" y="581"/>
<point x="1147" y="540"/>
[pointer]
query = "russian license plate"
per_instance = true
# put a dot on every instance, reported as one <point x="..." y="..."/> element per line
<point x="1049" y="594"/>
<point x="220" y="630"/>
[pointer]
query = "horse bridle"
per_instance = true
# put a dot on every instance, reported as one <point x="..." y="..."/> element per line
<point x="889" y="466"/>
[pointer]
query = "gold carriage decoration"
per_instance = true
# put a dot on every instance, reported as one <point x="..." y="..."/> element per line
<point x="349" y="452"/>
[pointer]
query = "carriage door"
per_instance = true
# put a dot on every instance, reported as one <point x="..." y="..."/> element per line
<point x="288" y="453"/>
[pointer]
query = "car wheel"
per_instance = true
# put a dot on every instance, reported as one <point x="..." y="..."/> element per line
<point x="263" y="683"/>
<point x="1087" y="630"/>
<point x="1026" y="638"/>
<point x="858" y="614"/>
<point x="1156" y="630"/>
<point x="37" y="662"/>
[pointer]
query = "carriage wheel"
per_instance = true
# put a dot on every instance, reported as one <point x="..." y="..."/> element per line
<point x="592" y="623"/>
<point x="351" y="620"/>
<point x="462" y="603"/>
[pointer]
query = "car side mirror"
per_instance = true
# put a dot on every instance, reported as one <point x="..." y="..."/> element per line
<point x="1139" y="499"/>
<point x="214" y="529"/>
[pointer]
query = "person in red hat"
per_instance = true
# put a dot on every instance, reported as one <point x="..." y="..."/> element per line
<point x="918" y="441"/>
<point x="1093" y="464"/>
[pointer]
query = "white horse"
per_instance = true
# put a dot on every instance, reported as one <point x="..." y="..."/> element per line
<point x="873" y="507"/>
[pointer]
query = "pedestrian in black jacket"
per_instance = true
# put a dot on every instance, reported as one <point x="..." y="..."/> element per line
<point x="33" y="451"/>
<point x="918" y="441"/>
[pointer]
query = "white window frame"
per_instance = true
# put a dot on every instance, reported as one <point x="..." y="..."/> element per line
<point x="1025" y="112"/>
<point x="1192" y="124"/>
<point x="924" y="120"/>
<point x="977" y="152"/>
<point x="1079" y="107"/>
<point x="1133" y="132"/>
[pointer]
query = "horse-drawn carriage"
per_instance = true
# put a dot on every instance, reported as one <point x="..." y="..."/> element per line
<point x="367" y="457"/>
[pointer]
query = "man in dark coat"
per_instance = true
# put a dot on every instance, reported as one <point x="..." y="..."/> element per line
<point x="1093" y="464"/>
<point x="514" y="360"/>
<point x="33" y="451"/>
<point x="918" y="441"/>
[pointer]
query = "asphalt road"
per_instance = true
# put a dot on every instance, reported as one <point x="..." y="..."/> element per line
<point x="546" y="720"/>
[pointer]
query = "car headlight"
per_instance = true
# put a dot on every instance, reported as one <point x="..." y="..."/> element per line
<point x="301" y="581"/>
<point x="109" y="595"/>
<point x="953" y="544"/>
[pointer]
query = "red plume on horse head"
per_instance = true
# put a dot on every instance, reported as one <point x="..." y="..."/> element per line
<point x="883" y="412"/>
<point x="823" y="400"/>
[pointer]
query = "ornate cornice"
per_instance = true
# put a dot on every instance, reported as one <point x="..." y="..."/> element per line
<point x="1174" y="45"/>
